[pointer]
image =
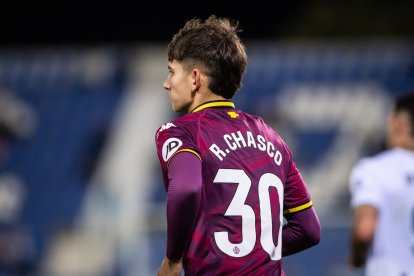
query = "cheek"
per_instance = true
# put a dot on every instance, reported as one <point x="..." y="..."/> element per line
<point x="180" y="86"/>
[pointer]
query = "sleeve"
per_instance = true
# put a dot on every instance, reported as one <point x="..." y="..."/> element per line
<point x="171" y="139"/>
<point x="302" y="228"/>
<point x="302" y="231"/>
<point x="297" y="197"/>
<point x="364" y="185"/>
<point x="184" y="193"/>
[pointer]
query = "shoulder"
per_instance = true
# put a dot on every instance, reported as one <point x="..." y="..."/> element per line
<point x="376" y="165"/>
<point x="263" y="125"/>
<point x="176" y="126"/>
<point x="256" y="118"/>
<point x="175" y="136"/>
<point x="369" y="179"/>
<point x="377" y="161"/>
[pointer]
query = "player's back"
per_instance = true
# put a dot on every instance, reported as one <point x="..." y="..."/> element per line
<point x="245" y="168"/>
<point x="386" y="181"/>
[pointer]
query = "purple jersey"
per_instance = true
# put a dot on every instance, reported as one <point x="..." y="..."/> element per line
<point x="249" y="182"/>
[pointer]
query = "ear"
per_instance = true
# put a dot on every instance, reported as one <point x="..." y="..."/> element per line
<point x="198" y="79"/>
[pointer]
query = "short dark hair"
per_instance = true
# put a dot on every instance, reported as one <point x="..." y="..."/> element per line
<point x="215" y="46"/>
<point x="405" y="102"/>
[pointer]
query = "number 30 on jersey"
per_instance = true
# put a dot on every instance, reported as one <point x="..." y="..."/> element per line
<point x="238" y="207"/>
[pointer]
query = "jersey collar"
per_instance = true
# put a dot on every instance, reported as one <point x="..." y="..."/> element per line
<point x="216" y="104"/>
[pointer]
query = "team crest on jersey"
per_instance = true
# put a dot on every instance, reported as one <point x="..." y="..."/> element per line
<point x="170" y="147"/>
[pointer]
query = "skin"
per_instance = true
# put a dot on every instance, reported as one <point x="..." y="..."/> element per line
<point x="170" y="268"/>
<point x="365" y="221"/>
<point x="187" y="89"/>
<point x="399" y="134"/>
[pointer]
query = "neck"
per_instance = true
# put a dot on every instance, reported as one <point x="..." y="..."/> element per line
<point x="407" y="144"/>
<point x="205" y="97"/>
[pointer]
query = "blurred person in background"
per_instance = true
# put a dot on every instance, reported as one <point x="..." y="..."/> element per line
<point x="382" y="190"/>
<point x="236" y="202"/>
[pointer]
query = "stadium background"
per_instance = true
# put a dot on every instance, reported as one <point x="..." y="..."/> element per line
<point x="81" y="97"/>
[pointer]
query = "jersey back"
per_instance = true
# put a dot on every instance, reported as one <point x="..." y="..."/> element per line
<point x="249" y="182"/>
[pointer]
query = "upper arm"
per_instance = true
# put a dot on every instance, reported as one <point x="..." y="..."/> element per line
<point x="296" y="194"/>
<point x="185" y="171"/>
<point x="171" y="139"/>
<point x="367" y="199"/>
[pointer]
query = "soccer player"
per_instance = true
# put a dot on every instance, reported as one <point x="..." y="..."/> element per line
<point x="229" y="177"/>
<point x="382" y="189"/>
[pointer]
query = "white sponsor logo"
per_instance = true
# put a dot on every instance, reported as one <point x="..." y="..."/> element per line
<point x="170" y="147"/>
<point x="166" y="126"/>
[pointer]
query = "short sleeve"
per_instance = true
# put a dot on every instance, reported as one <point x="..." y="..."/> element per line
<point x="365" y="185"/>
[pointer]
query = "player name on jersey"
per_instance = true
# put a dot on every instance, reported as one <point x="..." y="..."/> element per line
<point x="237" y="140"/>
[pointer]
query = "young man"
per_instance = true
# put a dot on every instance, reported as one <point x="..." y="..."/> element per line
<point x="229" y="177"/>
<point x="382" y="189"/>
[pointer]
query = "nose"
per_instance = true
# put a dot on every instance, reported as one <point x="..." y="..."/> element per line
<point x="167" y="86"/>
